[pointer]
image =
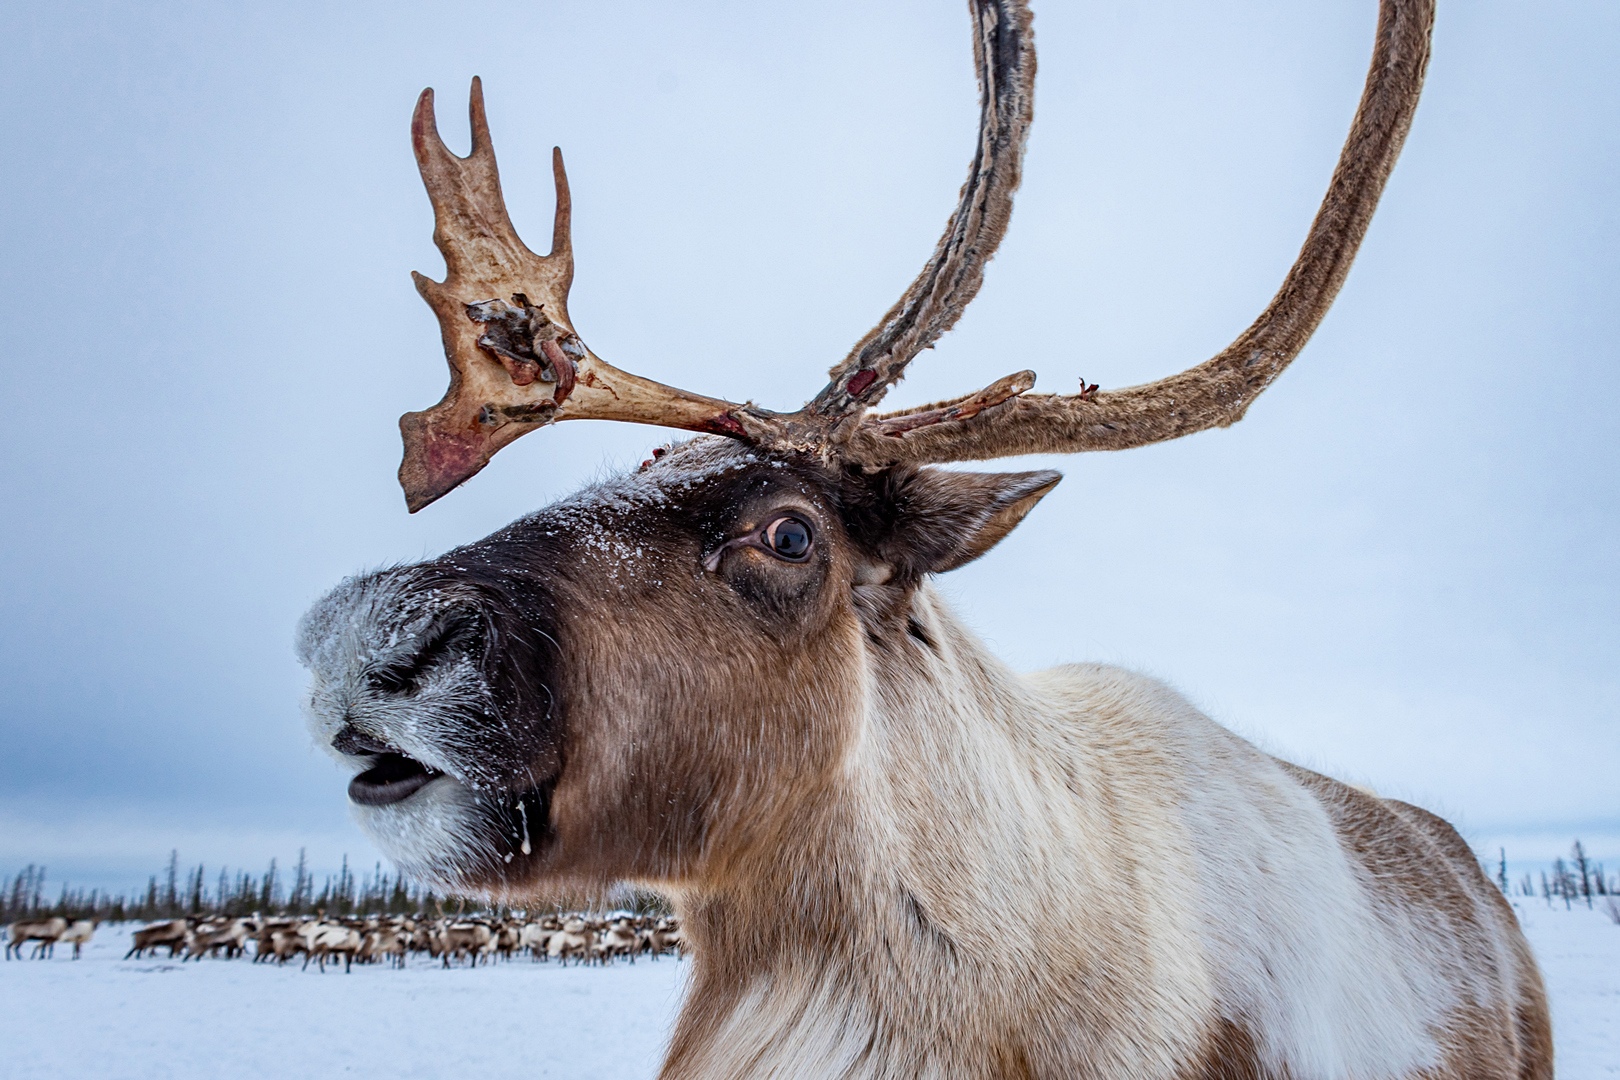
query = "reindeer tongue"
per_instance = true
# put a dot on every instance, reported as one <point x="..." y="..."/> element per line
<point x="392" y="779"/>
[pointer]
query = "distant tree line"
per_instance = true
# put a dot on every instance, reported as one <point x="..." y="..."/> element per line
<point x="194" y="893"/>
<point x="1576" y="881"/>
<point x="177" y="893"/>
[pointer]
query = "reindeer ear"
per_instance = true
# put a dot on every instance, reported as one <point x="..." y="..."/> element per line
<point x="945" y="519"/>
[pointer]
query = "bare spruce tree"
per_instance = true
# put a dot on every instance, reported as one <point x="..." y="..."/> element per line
<point x="1583" y="867"/>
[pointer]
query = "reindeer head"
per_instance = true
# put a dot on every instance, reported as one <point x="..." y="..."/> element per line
<point x="643" y="675"/>
<point x="645" y="679"/>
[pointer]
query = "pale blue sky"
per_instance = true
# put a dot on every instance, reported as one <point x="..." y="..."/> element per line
<point x="1401" y="568"/>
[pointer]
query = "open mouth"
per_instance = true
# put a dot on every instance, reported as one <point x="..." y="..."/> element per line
<point x="392" y="778"/>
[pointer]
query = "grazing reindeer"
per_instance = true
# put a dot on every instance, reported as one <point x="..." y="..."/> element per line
<point x="727" y="677"/>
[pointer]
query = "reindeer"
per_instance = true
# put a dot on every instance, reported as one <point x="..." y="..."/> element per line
<point x="619" y="938"/>
<point x="216" y="935"/>
<point x="469" y="939"/>
<point x="170" y="934"/>
<point x="264" y="938"/>
<point x="383" y="941"/>
<point x="285" y="942"/>
<point x="536" y="936"/>
<point x="575" y="939"/>
<point x="508" y="934"/>
<point x="728" y="677"/>
<point x="665" y="937"/>
<point x="330" y="940"/>
<point x="78" y="934"/>
<point x="44" y="933"/>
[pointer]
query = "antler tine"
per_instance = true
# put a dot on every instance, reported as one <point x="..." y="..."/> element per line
<point x="483" y="147"/>
<point x="562" y="224"/>
<point x="515" y="361"/>
<point x="469" y="210"/>
<point x="1219" y="391"/>
<point x="1004" y="56"/>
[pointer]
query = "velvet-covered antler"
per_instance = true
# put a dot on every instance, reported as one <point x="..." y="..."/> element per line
<point x="1219" y="391"/>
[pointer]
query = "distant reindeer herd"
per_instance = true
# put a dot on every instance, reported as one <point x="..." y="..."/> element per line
<point x="583" y="938"/>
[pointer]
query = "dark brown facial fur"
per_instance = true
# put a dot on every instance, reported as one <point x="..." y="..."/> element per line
<point x="633" y="653"/>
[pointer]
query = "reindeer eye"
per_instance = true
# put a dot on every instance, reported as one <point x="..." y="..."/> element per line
<point x="788" y="538"/>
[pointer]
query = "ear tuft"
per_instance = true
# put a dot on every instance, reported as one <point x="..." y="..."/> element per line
<point x="944" y="519"/>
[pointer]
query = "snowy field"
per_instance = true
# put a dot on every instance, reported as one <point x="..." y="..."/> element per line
<point x="114" y="1020"/>
<point x="110" y="1019"/>
<point x="1579" y="953"/>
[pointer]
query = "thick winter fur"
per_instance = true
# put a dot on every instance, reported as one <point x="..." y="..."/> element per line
<point x="893" y="856"/>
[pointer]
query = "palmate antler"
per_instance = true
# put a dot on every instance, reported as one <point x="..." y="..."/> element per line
<point x="516" y="363"/>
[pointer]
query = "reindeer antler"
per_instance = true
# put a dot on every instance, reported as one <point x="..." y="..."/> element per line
<point x="1004" y="56"/>
<point x="515" y="361"/>
<point x="1219" y="391"/>
<point x="517" y="364"/>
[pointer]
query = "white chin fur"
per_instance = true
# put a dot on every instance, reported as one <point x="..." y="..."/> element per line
<point x="438" y="835"/>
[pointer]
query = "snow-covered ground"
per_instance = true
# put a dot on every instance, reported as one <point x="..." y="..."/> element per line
<point x="117" y="1020"/>
<point x="107" y="1018"/>
<point x="1579" y="953"/>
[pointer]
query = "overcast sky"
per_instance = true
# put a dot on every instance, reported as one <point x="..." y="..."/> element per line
<point x="1400" y="568"/>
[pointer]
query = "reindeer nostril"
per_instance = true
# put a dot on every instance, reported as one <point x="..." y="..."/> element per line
<point x="351" y="740"/>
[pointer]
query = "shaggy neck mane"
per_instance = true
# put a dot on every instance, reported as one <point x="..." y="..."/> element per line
<point x="914" y="895"/>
